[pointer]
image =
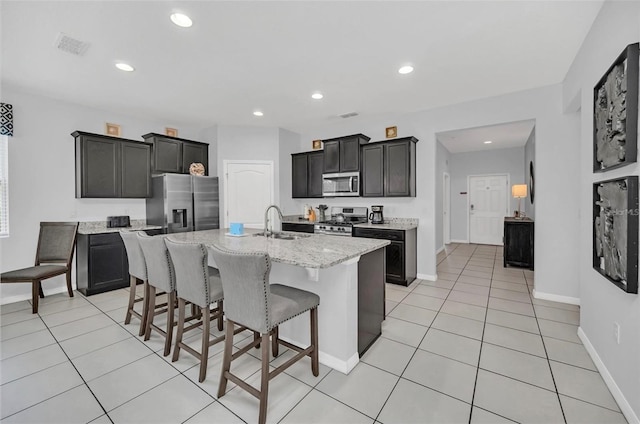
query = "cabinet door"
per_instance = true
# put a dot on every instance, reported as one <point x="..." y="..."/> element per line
<point x="167" y="156"/>
<point x="372" y="171"/>
<point x="395" y="261"/>
<point x="350" y="154"/>
<point x="195" y="153"/>
<point x="314" y="174"/>
<point x="107" y="267"/>
<point x="397" y="170"/>
<point x="331" y="156"/>
<point x="299" y="176"/>
<point x="136" y="170"/>
<point x="100" y="170"/>
<point x="518" y="244"/>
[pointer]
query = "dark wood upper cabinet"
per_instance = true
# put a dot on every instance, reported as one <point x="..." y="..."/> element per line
<point x="175" y="155"/>
<point x="342" y="154"/>
<point x="111" y="167"/>
<point x="389" y="168"/>
<point x="306" y="174"/>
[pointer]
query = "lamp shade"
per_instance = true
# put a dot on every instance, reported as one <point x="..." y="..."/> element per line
<point x="519" y="190"/>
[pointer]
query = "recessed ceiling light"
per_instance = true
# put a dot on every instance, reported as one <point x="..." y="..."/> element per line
<point x="407" y="69"/>
<point x="125" y="67"/>
<point x="317" y="96"/>
<point x="258" y="113"/>
<point x="488" y="142"/>
<point x="181" y="20"/>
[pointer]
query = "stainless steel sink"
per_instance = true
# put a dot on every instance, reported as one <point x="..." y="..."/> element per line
<point x="284" y="236"/>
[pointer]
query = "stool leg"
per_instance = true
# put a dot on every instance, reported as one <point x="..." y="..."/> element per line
<point x="264" y="380"/>
<point x="226" y="359"/>
<point x="69" y="288"/>
<point x="151" y="309"/>
<point x="40" y="289"/>
<point x="314" y="341"/>
<point x="274" y="342"/>
<point x="145" y="308"/>
<point x="176" y="349"/>
<point x="132" y="298"/>
<point x="220" y="320"/>
<point x="171" y="304"/>
<point x="256" y="336"/>
<point x="204" y="352"/>
<point x="34" y="296"/>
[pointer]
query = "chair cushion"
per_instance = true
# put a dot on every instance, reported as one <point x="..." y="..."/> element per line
<point x="215" y="285"/>
<point x="287" y="302"/>
<point x="38" y="272"/>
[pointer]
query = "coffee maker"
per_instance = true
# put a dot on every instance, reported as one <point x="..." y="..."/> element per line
<point x="376" y="216"/>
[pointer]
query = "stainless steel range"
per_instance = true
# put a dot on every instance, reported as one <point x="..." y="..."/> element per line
<point x="342" y="221"/>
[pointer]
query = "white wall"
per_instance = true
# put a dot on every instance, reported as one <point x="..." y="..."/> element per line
<point x="42" y="175"/>
<point x="443" y="161"/>
<point x="462" y="165"/>
<point x="602" y="304"/>
<point x="529" y="156"/>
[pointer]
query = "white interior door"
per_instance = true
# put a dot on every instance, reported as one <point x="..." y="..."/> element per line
<point x="248" y="191"/>
<point x="488" y="205"/>
<point x="446" y="208"/>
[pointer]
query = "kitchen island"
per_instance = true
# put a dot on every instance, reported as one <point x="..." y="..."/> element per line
<point x="347" y="273"/>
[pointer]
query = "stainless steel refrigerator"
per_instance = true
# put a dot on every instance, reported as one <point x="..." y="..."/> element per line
<point x="184" y="203"/>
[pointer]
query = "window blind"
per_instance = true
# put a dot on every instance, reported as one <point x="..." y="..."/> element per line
<point x="4" y="186"/>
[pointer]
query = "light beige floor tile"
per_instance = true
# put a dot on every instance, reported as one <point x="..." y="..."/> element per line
<point x="447" y="276"/>
<point x="413" y="403"/>
<point x="215" y="413"/>
<point x="94" y="340"/>
<point x="63" y="305"/>
<point x="521" y="366"/>
<point x="443" y="284"/>
<point x="472" y="288"/>
<point x="414" y="314"/>
<point x="452" y="346"/>
<point x="560" y="315"/>
<point x="480" y="416"/>
<point x="474" y="280"/>
<point x="403" y="331"/>
<point x="389" y="305"/>
<point x="70" y="315"/>
<point x="318" y="408"/>
<point x="569" y="353"/>
<point x="422" y="301"/>
<point x="558" y="305"/>
<point x="21" y="328"/>
<point x="459" y="325"/>
<point x="559" y="330"/>
<point x="17" y="316"/>
<point x="83" y="326"/>
<point x="14" y="307"/>
<point x="26" y="343"/>
<point x="578" y="412"/>
<point x="389" y="355"/>
<point x="464" y="310"/>
<point x="515" y="321"/>
<point x="102" y="361"/>
<point x="509" y="278"/>
<point x="469" y="298"/>
<point x="582" y="384"/>
<point x="511" y="306"/>
<point x="517" y="287"/>
<point x="514" y="339"/>
<point x="431" y="291"/>
<point x="479" y="274"/>
<point x="31" y="362"/>
<point x="395" y="295"/>
<point x="301" y="370"/>
<point x="510" y="295"/>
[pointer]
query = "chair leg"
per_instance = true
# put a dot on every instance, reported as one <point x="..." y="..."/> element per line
<point x="171" y="302"/>
<point x="220" y="320"/>
<point x="256" y="336"/>
<point x="314" y="342"/>
<point x="145" y="309"/>
<point x="204" y="352"/>
<point x="226" y="359"/>
<point x="264" y="380"/>
<point x="40" y="289"/>
<point x="151" y="309"/>
<point x="274" y="342"/>
<point x="180" y="331"/>
<point x="132" y="298"/>
<point x="34" y="296"/>
<point x="69" y="288"/>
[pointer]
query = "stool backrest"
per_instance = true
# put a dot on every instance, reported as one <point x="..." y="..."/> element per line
<point x="245" y="282"/>
<point x="159" y="266"/>
<point x="190" y="265"/>
<point x="137" y="266"/>
<point x="56" y="242"/>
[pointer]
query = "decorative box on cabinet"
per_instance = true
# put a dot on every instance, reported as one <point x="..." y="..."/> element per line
<point x="389" y="168"/>
<point x="175" y="155"/>
<point x="342" y="154"/>
<point x="306" y="178"/>
<point x="518" y="242"/>
<point x="111" y="167"/>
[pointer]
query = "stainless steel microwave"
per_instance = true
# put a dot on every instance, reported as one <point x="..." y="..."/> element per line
<point x="341" y="184"/>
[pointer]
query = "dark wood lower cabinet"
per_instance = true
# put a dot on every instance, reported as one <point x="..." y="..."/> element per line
<point x="101" y="262"/>
<point x="518" y="242"/>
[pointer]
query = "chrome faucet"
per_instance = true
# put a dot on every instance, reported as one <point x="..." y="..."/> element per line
<point x="266" y="219"/>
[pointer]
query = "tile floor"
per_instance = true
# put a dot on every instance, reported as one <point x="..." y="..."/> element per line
<point x="472" y="347"/>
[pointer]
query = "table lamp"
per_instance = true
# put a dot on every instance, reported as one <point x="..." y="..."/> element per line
<point x="519" y="191"/>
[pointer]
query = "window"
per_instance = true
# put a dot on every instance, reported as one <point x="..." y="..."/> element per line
<point x="4" y="186"/>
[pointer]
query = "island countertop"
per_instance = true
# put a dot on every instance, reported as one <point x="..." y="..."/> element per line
<point x="312" y="251"/>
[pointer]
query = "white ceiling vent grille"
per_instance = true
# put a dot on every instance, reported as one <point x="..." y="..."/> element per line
<point x="348" y="115"/>
<point x="71" y="45"/>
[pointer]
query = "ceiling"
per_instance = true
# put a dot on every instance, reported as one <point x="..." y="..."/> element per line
<point x="240" y="56"/>
<point x="502" y="136"/>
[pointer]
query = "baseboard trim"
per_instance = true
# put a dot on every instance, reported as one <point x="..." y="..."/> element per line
<point x="556" y="297"/>
<point x="440" y="250"/>
<point x="21" y="297"/>
<point x="430" y="277"/>
<point x="624" y="405"/>
<point x="459" y="241"/>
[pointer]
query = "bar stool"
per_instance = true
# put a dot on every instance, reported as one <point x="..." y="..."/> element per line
<point x="199" y="284"/>
<point x="252" y="302"/>
<point x="137" y="274"/>
<point x="159" y="277"/>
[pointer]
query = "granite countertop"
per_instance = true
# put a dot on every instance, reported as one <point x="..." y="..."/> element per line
<point x="99" y="227"/>
<point x="312" y="251"/>
<point x="393" y="224"/>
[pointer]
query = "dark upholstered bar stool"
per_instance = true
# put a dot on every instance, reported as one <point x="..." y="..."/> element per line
<point x="199" y="284"/>
<point x="56" y="244"/>
<point x="137" y="274"/>
<point x="159" y="277"/>
<point x="252" y="302"/>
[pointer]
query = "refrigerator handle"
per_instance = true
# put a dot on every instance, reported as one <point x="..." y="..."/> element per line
<point x="180" y="218"/>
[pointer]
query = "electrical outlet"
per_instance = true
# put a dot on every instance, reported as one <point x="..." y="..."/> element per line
<point x="616" y="332"/>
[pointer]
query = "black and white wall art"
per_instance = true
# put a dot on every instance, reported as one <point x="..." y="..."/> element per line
<point x="615" y="113"/>
<point x="615" y="231"/>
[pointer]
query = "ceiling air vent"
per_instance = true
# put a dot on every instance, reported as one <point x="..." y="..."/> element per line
<point x="71" y="45"/>
<point x="348" y="115"/>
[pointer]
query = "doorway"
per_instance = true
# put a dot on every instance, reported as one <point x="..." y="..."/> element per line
<point x="446" y="208"/>
<point x="248" y="191"/>
<point x="488" y="205"/>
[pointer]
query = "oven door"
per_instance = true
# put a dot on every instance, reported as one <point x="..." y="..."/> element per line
<point x="341" y="184"/>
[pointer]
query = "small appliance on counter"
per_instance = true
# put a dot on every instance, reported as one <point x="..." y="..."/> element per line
<point x="322" y="216"/>
<point x="376" y="215"/>
<point x="118" y="221"/>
